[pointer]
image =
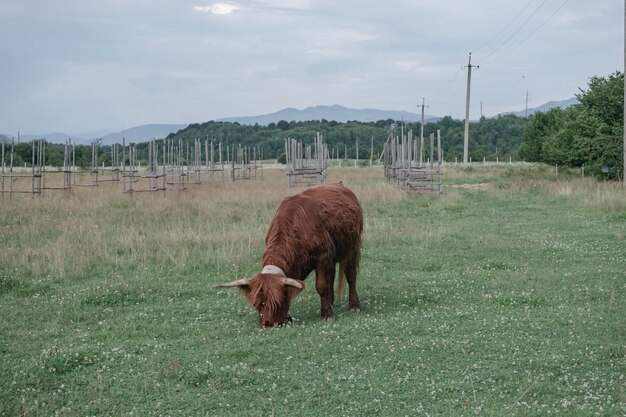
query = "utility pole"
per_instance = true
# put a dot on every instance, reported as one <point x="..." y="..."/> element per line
<point x="422" y="130"/>
<point x="467" y="107"/>
<point x="526" y="103"/>
<point x="481" y="109"/>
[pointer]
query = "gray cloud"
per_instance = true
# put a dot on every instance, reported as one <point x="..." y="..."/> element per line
<point x="73" y="65"/>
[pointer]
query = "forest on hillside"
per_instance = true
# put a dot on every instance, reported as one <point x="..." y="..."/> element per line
<point x="501" y="135"/>
<point x="489" y="138"/>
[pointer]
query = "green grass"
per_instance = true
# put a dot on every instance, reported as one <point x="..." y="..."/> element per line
<point x="499" y="300"/>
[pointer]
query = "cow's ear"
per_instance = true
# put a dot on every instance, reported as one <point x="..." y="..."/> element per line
<point x="293" y="290"/>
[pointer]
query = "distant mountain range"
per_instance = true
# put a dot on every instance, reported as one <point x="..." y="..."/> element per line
<point x="335" y="112"/>
<point x="545" y="107"/>
<point x="344" y="114"/>
<point x="141" y="133"/>
<point x="50" y="137"/>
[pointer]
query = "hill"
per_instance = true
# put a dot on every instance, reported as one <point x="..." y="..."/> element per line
<point x="335" y="112"/>
<point x="142" y="133"/>
<point x="545" y="107"/>
<point x="54" y="137"/>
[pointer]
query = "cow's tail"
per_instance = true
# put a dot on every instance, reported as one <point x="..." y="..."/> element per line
<point x="341" y="285"/>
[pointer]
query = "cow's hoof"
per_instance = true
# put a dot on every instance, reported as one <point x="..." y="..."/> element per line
<point x="328" y="318"/>
<point x="355" y="309"/>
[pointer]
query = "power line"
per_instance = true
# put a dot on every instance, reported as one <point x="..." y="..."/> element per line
<point x="516" y="31"/>
<point x="444" y="91"/>
<point x="505" y="27"/>
<point x="531" y="34"/>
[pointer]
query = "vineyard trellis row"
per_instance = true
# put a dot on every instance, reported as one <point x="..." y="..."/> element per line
<point x="12" y="181"/>
<point x="404" y="163"/>
<point x="170" y="166"/>
<point x="306" y="164"/>
<point x="173" y="165"/>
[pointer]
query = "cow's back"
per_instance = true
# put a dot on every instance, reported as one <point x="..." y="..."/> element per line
<point x="321" y="222"/>
<point x="340" y="214"/>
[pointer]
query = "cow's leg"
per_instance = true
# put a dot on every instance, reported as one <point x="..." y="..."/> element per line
<point x="351" y="269"/>
<point x="324" y="282"/>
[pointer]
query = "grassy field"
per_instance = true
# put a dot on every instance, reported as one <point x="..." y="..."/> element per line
<point x="504" y="296"/>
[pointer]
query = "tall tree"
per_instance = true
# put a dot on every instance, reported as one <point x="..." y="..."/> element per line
<point x="587" y="134"/>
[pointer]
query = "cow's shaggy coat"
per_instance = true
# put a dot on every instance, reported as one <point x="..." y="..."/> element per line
<point x="311" y="231"/>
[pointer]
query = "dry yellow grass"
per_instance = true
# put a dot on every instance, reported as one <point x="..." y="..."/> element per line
<point x="86" y="232"/>
<point x="605" y="195"/>
<point x="63" y="233"/>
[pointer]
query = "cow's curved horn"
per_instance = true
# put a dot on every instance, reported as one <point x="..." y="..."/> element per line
<point x="237" y="283"/>
<point x="292" y="282"/>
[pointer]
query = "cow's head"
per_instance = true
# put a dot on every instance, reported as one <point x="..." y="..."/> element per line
<point x="270" y="294"/>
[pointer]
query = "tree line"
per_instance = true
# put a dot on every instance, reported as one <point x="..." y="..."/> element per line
<point x="500" y="136"/>
<point x="54" y="154"/>
<point x="588" y="134"/>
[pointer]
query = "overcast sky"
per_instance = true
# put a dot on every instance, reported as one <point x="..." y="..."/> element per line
<point x="77" y="66"/>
